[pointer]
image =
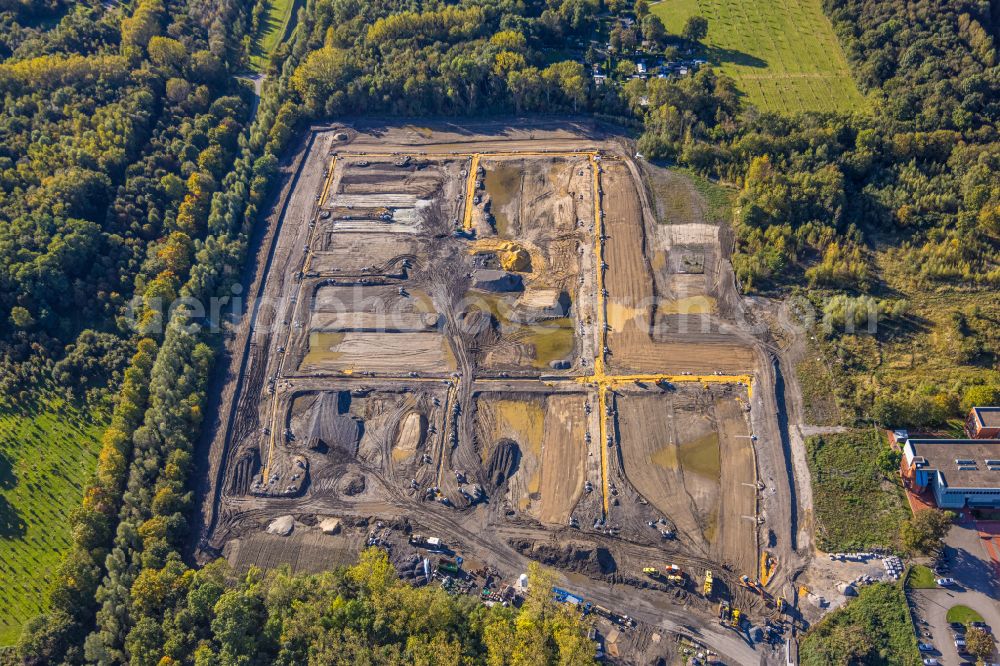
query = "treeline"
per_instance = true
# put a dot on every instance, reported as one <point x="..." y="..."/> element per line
<point x="151" y="186"/>
<point x="465" y="59"/>
<point x="361" y="614"/>
<point x="114" y="135"/>
<point x="156" y="450"/>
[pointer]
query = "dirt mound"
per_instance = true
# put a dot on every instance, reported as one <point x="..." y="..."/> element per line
<point x="352" y="483"/>
<point x="330" y="525"/>
<point x="582" y="557"/>
<point x="330" y="427"/>
<point x="281" y="526"/>
<point x="411" y="436"/>
<point x="503" y="463"/>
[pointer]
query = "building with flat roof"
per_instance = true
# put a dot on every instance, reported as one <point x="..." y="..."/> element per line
<point x="959" y="473"/>
<point x="983" y="423"/>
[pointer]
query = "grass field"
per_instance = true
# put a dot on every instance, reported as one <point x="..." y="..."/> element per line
<point x="279" y="21"/>
<point x="856" y="506"/>
<point x="818" y="397"/>
<point x="963" y="614"/>
<point x="782" y="53"/>
<point x="47" y="454"/>
<point x="921" y="578"/>
<point x="682" y="196"/>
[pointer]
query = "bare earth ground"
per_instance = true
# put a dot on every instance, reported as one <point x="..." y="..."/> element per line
<point x="425" y="351"/>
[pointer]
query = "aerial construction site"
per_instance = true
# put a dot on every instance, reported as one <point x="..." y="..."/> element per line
<point x="490" y="343"/>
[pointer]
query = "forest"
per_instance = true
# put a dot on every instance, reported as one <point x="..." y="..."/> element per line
<point x="132" y="172"/>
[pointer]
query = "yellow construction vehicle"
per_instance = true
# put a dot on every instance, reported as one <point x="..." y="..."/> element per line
<point x="650" y="571"/>
<point x="708" y="583"/>
<point x="735" y="622"/>
<point x="768" y="565"/>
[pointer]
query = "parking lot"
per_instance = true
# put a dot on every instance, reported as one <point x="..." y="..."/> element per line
<point x="968" y="563"/>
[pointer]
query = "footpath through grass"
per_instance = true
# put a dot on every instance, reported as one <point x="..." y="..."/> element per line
<point x="874" y="628"/>
<point x="857" y="505"/>
<point x="783" y="55"/>
<point x="48" y="452"/>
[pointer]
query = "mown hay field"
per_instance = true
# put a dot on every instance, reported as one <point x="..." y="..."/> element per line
<point x="783" y="54"/>
<point x="48" y="451"/>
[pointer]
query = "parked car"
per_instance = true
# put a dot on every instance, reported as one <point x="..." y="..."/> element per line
<point x="944" y="582"/>
<point x="981" y="625"/>
<point x="957" y="626"/>
<point x="931" y="661"/>
<point x="925" y="647"/>
<point x="960" y="644"/>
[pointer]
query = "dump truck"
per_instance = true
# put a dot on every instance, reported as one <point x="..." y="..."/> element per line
<point x="603" y="612"/>
<point x="708" y="583"/>
<point x="652" y="572"/>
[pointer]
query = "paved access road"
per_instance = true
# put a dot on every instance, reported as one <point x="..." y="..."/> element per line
<point x="977" y="588"/>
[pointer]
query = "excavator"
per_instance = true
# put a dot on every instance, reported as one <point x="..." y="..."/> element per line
<point x="778" y="603"/>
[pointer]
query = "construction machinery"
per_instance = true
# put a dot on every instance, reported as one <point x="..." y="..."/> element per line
<point x="707" y="590"/>
<point x="768" y="565"/>
<point x="777" y="603"/>
<point x="671" y="574"/>
<point x="729" y="616"/>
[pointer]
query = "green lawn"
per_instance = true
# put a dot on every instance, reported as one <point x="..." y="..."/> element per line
<point x="47" y="455"/>
<point x="783" y="54"/>
<point x="856" y="507"/>
<point x="874" y="628"/>
<point x="279" y="21"/>
<point x="963" y="614"/>
<point x="921" y="578"/>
